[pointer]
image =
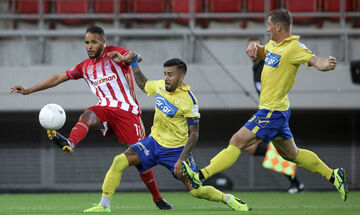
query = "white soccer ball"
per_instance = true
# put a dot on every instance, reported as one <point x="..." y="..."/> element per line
<point x="52" y="117"/>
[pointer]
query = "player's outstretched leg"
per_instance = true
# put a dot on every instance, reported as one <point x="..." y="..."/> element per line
<point x="235" y="203"/>
<point x="191" y="175"/>
<point x="340" y="182"/>
<point x="97" y="208"/>
<point x="60" y="141"/>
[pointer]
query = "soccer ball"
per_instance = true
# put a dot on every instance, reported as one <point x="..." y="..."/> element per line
<point x="52" y="117"/>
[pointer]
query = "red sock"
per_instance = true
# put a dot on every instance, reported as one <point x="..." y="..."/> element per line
<point x="79" y="132"/>
<point x="149" y="181"/>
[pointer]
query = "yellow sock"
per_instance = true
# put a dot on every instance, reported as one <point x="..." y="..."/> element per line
<point x="310" y="161"/>
<point x="209" y="193"/>
<point x="223" y="160"/>
<point x="113" y="176"/>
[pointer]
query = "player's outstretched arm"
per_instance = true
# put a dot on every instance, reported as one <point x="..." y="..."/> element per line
<point x="140" y="78"/>
<point x="51" y="81"/>
<point x="323" y="64"/>
<point x="190" y="144"/>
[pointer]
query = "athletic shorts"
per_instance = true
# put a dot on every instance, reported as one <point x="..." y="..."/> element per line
<point x="267" y="124"/>
<point x="127" y="126"/>
<point x="151" y="153"/>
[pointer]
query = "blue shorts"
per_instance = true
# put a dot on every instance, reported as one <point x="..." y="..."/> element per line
<point x="267" y="124"/>
<point x="151" y="154"/>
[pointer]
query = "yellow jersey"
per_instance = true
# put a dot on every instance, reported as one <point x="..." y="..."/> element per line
<point x="282" y="62"/>
<point x="172" y="109"/>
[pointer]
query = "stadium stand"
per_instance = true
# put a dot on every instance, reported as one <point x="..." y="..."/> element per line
<point x="72" y="7"/>
<point x="258" y="6"/>
<point x="225" y="6"/>
<point x="180" y="6"/>
<point x="147" y="7"/>
<point x="334" y="6"/>
<point x="304" y="6"/>
<point x="29" y="7"/>
<point x="107" y="6"/>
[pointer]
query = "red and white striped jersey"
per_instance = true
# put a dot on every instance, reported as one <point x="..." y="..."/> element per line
<point x="111" y="82"/>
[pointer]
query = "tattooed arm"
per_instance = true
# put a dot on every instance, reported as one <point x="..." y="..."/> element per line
<point x="191" y="142"/>
<point x="140" y="78"/>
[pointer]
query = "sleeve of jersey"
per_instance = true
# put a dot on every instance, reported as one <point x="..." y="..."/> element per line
<point x="192" y="109"/>
<point x="302" y="55"/>
<point x="75" y="73"/>
<point x="151" y="86"/>
<point x="122" y="50"/>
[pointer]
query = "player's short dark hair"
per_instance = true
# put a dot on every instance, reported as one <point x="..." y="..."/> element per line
<point x="281" y="16"/>
<point x="178" y="63"/>
<point x="96" y="30"/>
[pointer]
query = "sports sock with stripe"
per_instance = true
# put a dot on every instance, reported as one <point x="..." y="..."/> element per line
<point x="149" y="180"/>
<point x="78" y="132"/>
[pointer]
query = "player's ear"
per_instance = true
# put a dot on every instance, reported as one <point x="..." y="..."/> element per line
<point x="182" y="76"/>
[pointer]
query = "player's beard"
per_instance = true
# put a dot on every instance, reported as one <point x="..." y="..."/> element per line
<point x="97" y="53"/>
<point x="172" y="86"/>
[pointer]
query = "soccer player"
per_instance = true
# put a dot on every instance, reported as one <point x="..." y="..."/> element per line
<point x="173" y="135"/>
<point x="260" y="149"/>
<point x="283" y="55"/>
<point x="117" y="110"/>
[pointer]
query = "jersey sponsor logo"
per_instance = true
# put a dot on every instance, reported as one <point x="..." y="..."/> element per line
<point x="262" y="122"/>
<point x="272" y="59"/>
<point x="107" y="66"/>
<point x="165" y="106"/>
<point x="104" y="80"/>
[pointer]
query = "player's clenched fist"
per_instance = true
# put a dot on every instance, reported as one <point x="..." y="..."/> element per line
<point x="119" y="58"/>
<point x="251" y="50"/>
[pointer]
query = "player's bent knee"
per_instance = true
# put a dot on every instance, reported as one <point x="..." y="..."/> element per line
<point x="198" y="193"/>
<point x="91" y="119"/>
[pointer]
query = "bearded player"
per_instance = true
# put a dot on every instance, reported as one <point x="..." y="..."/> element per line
<point x="117" y="110"/>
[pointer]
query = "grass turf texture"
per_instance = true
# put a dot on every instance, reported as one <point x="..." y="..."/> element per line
<point x="141" y="203"/>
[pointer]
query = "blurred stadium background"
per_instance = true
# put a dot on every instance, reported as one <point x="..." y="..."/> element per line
<point x="42" y="37"/>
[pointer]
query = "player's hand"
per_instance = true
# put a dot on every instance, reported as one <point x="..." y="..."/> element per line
<point x="177" y="169"/>
<point x="332" y="62"/>
<point x="130" y="56"/>
<point x="19" y="89"/>
<point x="117" y="57"/>
<point x="251" y="50"/>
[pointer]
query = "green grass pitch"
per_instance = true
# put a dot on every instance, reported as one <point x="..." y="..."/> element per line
<point x="326" y="202"/>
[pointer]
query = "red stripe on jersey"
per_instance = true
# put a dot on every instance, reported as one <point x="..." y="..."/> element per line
<point x="118" y="80"/>
<point x="99" y="87"/>
<point x="108" y="84"/>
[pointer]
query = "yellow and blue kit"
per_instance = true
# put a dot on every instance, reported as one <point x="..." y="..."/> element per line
<point x="282" y="62"/>
<point x="174" y="112"/>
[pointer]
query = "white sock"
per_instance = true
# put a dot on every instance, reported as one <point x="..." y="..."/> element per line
<point x="105" y="201"/>
<point x="227" y="198"/>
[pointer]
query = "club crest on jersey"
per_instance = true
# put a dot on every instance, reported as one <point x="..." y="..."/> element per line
<point x="165" y="106"/>
<point x="104" y="80"/>
<point x="107" y="66"/>
<point x="272" y="59"/>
